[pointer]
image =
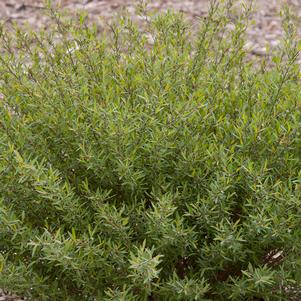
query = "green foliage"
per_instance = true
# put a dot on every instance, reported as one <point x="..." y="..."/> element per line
<point x="150" y="162"/>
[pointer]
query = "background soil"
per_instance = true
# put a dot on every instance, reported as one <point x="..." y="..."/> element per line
<point x="267" y="28"/>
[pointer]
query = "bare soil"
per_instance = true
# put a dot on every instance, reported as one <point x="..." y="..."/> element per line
<point x="267" y="28"/>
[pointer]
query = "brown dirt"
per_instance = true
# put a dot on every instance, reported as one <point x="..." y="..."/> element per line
<point x="267" y="29"/>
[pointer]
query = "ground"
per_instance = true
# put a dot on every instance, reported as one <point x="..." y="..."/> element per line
<point x="266" y="30"/>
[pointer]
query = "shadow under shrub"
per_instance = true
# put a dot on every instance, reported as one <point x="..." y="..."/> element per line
<point x="149" y="163"/>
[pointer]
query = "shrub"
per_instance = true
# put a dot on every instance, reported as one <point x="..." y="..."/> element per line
<point x="149" y="162"/>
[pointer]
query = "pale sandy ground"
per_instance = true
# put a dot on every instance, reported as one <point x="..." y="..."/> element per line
<point x="267" y="28"/>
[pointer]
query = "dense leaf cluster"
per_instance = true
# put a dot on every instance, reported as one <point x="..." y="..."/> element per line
<point x="149" y="163"/>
